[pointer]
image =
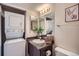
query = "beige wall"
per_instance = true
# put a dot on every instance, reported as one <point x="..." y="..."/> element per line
<point x="67" y="35"/>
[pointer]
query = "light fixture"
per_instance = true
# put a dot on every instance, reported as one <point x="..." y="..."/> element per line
<point x="45" y="10"/>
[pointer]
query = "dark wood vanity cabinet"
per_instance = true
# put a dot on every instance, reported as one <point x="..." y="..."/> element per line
<point x="33" y="51"/>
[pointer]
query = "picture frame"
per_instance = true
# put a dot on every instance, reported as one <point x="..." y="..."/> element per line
<point x="72" y="13"/>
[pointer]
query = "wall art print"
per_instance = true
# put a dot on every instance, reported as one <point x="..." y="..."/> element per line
<point x="72" y="13"/>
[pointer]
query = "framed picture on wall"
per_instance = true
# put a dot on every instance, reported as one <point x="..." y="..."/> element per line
<point x="72" y="13"/>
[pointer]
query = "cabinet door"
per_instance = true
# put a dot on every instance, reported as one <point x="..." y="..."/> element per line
<point x="47" y="51"/>
<point x="32" y="50"/>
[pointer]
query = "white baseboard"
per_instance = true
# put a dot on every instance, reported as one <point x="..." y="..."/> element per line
<point x="68" y="53"/>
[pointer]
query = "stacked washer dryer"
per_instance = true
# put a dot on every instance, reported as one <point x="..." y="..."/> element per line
<point x="13" y="31"/>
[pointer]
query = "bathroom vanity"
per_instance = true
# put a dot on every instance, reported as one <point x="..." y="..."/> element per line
<point x="40" y="49"/>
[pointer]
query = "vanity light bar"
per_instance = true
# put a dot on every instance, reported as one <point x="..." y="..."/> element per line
<point x="44" y="11"/>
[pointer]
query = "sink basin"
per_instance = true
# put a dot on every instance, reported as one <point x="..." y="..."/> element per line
<point x="39" y="42"/>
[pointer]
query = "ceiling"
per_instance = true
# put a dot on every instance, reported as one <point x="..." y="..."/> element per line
<point x="33" y="8"/>
<point x="30" y="6"/>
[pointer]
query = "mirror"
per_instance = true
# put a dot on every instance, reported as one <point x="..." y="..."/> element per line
<point x="49" y="25"/>
<point x="46" y="22"/>
<point x="34" y="24"/>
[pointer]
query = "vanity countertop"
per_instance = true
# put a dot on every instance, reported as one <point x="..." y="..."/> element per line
<point x="37" y="46"/>
<point x="47" y="42"/>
